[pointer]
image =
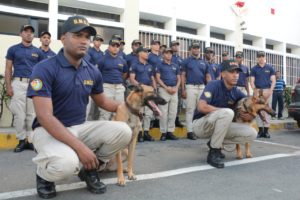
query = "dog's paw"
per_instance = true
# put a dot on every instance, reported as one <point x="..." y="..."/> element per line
<point x="249" y="155"/>
<point x="132" y="177"/>
<point x="239" y="156"/>
<point x="121" y="182"/>
<point x="125" y="170"/>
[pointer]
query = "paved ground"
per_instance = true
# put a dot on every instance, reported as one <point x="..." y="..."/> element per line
<point x="273" y="173"/>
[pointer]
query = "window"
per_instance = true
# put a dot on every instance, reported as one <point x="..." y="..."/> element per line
<point x="26" y="4"/>
<point x="219" y="49"/>
<point x="288" y="50"/>
<point x="247" y="42"/>
<point x="185" y="44"/>
<point x="186" y="30"/>
<point x="146" y="37"/>
<point x="219" y="36"/>
<point x="269" y="46"/>
<point x="292" y="72"/>
<point x="151" y="23"/>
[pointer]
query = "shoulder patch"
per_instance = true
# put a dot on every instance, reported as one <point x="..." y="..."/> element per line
<point x="36" y="84"/>
<point x="207" y="94"/>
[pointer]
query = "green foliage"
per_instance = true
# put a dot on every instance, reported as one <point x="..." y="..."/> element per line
<point x="4" y="98"/>
<point x="287" y="95"/>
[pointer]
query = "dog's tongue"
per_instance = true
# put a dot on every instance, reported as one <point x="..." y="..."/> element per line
<point x="155" y="108"/>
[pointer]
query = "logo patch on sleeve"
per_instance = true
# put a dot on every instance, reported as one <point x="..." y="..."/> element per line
<point x="207" y="94"/>
<point x="36" y="84"/>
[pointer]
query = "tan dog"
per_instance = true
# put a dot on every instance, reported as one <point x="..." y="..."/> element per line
<point x="129" y="112"/>
<point x="253" y="106"/>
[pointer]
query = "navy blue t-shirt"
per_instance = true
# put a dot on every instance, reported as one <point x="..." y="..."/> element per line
<point x="177" y="60"/>
<point x="143" y="72"/>
<point x="48" y="54"/>
<point x="168" y="73"/>
<point x="214" y="70"/>
<point x="243" y="76"/>
<point x="216" y="94"/>
<point x="262" y="76"/>
<point x="154" y="59"/>
<point x="24" y="58"/>
<point x="196" y="70"/>
<point x="68" y="87"/>
<point x="112" y="69"/>
<point x="95" y="56"/>
<point x="131" y="59"/>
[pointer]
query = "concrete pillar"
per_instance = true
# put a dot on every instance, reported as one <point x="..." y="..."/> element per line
<point x="171" y="25"/>
<point x="283" y="49"/>
<point x="205" y="31"/>
<point x="130" y="18"/>
<point x="53" y="17"/>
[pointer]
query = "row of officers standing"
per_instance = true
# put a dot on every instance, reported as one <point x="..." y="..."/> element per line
<point x="171" y="76"/>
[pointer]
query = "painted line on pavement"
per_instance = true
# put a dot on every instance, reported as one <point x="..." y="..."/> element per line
<point x="163" y="174"/>
<point x="278" y="144"/>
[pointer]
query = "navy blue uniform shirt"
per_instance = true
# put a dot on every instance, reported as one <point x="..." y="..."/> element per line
<point x="214" y="71"/>
<point x="68" y="87"/>
<point x="143" y="72"/>
<point x="216" y="94"/>
<point x="243" y="76"/>
<point x="24" y="58"/>
<point x="168" y="73"/>
<point x="177" y="59"/>
<point x="262" y="76"/>
<point x="48" y="54"/>
<point x="195" y="69"/>
<point x="131" y="59"/>
<point x="95" y="56"/>
<point x="112" y="69"/>
<point x="154" y="59"/>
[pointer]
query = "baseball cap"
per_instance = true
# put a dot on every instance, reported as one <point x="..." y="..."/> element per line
<point x="122" y="42"/>
<point x="175" y="42"/>
<point x="195" y="45"/>
<point x="239" y="54"/>
<point x="45" y="32"/>
<point x="229" y="65"/>
<point x="114" y="41"/>
<point x="225" y="53"/>
<point x="142" y="49"/>
<point x="261" y="53"/>
<point x="136" y="41"/>
<point x="116" y="36"/>
<point x="77" y="23"/>
<point x="168" y="50"/>
<point x="98" y="37"/>
<point x="26" y="26"/>
<point x="155" y="41"/>
<point x="209" y="50"/>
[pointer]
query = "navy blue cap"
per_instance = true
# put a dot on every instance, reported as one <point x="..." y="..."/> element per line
<point x="45" y="32"/>
<point x="26" y="26"/>
<point x="209" y="50"/>
<point x="98" y="37"/>
<point x="76" y="24"/>
<point x="229" y="65"/>
<point x="261" y="53"/>
<point x="142" y="49"/>
<point x="155" y="41"/>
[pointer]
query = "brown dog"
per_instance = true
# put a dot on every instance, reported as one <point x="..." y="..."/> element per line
<point x="129" y="112"/>
<point x="253" y="106"/>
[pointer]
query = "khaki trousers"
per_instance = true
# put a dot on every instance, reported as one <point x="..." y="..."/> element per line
<point x="22" y="109"/>
<point x="192" y="97"/>
<point x="115" y="92"/>
<point x="169" y="111"/>
<point x="148" y="115"/>
<point x="92" y="110"/>
<point x="57" y="161"/>
<point x="218" y="126"/>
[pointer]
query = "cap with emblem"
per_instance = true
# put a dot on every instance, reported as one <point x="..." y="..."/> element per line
<point x="116" y="36"/>
<point x="114" y="41"/>
<point x="136" y="41"/>
<point x="76" y="24"/>
<point x="25" y="27"/>
<point x="225" y="53"/>
<point x="142" y="49"/>
<point x="98" y="38"/>
<point x="239" y="54"/>
<point x="209" y="50"/>
<point x="167" y="50"/>
<point x="45" y="33"/>
<point x="155" y="41"/>
<point x="230" y="65"/>
<point x="195" y="45"/>
<point x="174" y="42"/>
<point x="261" y="53"/>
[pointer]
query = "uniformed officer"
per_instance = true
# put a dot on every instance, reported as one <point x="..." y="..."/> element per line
<point x="168" y="78"/>
<point x="122" y="44"/>
<point x="60" y="88"/>
<point x="243" y="82"/>
<point x="177" y="60"/>
<point x="132" y="57"/>
<point x="114" y="70"/>
<point x="213" y="117"/>
<point x="225" y="56"/>
<point x="154" y="57"/>
<point x="20" y="59"/>
<point x="95" y="55"/>
<point x="45" y="39"/>
<point x="194" y="75"/>
<point x="262" y="77"/>
<point x="141" y="72"/>
<point x="214" y="69"/>
<point x="162" y="48"/>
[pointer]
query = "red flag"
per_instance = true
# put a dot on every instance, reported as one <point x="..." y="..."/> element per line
<point x="273" y="11"/>
<point x="240" y="4"/>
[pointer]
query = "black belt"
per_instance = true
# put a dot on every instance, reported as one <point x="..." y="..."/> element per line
<point x="278" y="90"/>
<point x="21" y="79"/>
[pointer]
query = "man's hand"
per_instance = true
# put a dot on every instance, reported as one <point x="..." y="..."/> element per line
<point x="87" y="157"/>
<point x="9" y="91"/>
<point x="246" y="117"/>
<point x="170" y="90"/>
<point x="268" y="94"/>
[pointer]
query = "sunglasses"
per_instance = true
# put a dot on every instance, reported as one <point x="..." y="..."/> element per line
<point x="115" y="45"/>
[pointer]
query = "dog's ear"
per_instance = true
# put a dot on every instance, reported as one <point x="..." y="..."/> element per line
<point x="136" y="88"/>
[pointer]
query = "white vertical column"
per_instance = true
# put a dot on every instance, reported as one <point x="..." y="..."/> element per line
<point x="171" y="25"/>
<point x="284" y="61"/>
<point x="53" y="17"/>
<point x="131" y="20"/>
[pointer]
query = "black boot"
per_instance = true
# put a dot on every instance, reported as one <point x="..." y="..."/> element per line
<point x="214" y="159"/>
<point x="178" y="123"/>
<point x="147" y="136"/>
<point x="171" y="136"/>
<point x="92" y="180"/>
<point x="222" y="155"/>
<point x="45" y="189"/>
<point x="29" y="146"/>
<point x="266" y="132"/>
<point x="191" y="136"/>
<point x="163" y="137"/>
<point x="260" y="132"/>
<point x="140" y="137"/>
<point x="21" y="146"/>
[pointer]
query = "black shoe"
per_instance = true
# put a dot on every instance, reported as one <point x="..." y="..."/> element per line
<point x="45" y="189"/>
<point x="266" y="133"/>
<point x="140" y="137"/>
<point x="178" y="123"/>
<point x="163" y="137"/>
<point x="154" y="123"/>
<point x="213" y="158"/>
<point x="21" y="146"/>
<point x="191" y="136"/>
<point x="147" y="136"/>
<point x="260" y="133"/>
<point x="171" y="136"/>
<point x="92" y="181"/>
<point x="222" y="155"/>
<point x="29" y="146"/>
